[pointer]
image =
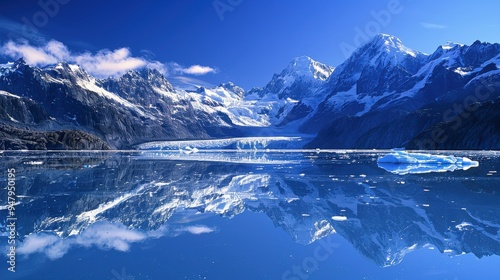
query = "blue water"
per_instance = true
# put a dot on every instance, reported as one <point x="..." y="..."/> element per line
<point x="248" y="215"/>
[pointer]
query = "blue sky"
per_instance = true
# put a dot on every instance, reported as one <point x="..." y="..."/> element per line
<point x="244" y="41"/>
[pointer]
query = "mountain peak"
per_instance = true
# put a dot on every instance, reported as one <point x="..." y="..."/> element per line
<point x="230" y="86"/>
<point x="389" y="44"/>
<point x="19" y="63"/>
<point x="450" y="45"/>
<point x="301" y="61"/>
<point x="304" y="66"/>
<point x="387" y="39"/>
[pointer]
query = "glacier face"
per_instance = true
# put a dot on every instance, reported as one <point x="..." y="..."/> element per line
<point x="245" y="143"/>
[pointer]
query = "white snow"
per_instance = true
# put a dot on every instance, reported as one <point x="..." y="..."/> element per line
<point x="339" y="218"/>
<point x="174" y="96"/>
<point x="450" y="45"/>
<point x="461" y="71"/>
<point x="462" y="226"/>
<point x="91" y="86"/>
<point x="9" y="94"/>
<point x="92" y="215"/>
<point x="402" y="163"/>
<point x="6" y="68"/>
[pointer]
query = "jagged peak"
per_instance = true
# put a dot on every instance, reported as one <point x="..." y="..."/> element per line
<point x="303" y="60"/>
<point x="71" y="69"/>
<point x="451" y="45"/>
<point x="19" y="62"/>
<point x="307" y="67"/>
<point x="389" y="44"/>
<point x="230" y="85"/>
<point x="386" y="39"/>
<point x="234" y="88"/>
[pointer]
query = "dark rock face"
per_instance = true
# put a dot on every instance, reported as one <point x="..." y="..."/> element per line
<point x="478" y="130"/>
<point x="12" y="138"/>
<point x="21" y="110"/>
<point x="298" y="112"/>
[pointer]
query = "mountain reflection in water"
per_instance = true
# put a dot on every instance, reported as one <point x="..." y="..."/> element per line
<point x="113" y="200"/>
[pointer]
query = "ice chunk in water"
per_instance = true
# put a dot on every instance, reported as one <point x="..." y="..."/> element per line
<point x="402" y="163"/>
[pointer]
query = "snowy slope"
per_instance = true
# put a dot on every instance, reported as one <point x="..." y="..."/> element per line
<point x="298" y="81"/>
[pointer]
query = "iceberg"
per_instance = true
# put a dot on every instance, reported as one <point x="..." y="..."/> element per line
<point x="402" y="163"/>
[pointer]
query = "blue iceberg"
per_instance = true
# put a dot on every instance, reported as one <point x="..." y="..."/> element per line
<point x="402" y="163"/>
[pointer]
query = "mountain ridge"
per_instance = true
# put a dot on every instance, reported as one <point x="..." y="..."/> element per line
<point x="382" y="81"/>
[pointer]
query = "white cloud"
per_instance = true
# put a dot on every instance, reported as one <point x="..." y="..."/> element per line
<point x="102" y="64"/>
<point x="158" y="66"/>
<point x="432" y="25"/>
<point x="109" y="63"/>
<point x="32" y="55"/>
<point x="196" y="230"/>
<point x="37" y="243"/>
<point x="103" y="235"/>
<point x="198" y="70"/>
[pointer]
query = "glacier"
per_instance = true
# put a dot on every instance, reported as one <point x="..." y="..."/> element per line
<point x="240" y="143"/>
<point x="401" y="162"/>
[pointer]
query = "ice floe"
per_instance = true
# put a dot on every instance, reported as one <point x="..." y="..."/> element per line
<point x="402" y="163"/>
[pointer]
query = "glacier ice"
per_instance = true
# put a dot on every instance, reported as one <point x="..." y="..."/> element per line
<point x="242" y="143"/>
<point x="402" y="163"/>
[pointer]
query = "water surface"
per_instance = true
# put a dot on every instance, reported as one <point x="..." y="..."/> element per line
<point x="248" y="215"/>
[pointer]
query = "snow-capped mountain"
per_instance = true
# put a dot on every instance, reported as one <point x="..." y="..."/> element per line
<point x="301" y="78"/>
<point x="143" y="106"/>
<point x="377" y="73"/>
<point x="137" y="107"/>
<point x="391" y="94"/>
<point x="281" y="98"/>
<point x="382" y="82"/>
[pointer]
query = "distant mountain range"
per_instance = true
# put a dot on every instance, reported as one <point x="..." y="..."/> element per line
<point x="385" y="95"/>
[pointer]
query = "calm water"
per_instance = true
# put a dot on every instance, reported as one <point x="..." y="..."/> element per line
<point x="256" y="215"/>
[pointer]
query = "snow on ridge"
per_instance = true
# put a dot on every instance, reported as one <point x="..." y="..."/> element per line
<point x="91" y="86"/>
<point x="450" y="45"/>
<point x="304" y="66"/>
<point x="2" y="92"/>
